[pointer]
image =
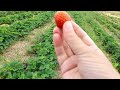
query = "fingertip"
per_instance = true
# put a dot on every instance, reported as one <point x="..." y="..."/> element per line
<point x="56" y="30"/>
<point x="57" y="39"/>
<point x="67" y="25"/>
<point x="55" y="36"/>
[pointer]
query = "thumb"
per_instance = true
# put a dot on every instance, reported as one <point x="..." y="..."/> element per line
<point x="75" y="43"/>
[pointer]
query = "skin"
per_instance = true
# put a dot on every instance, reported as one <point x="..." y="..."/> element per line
<point x="78" y="56"/>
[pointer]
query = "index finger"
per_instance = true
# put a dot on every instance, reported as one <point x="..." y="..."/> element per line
<point x="59" y="49"/>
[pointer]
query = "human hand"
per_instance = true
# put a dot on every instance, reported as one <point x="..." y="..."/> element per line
<point x="78" y="55"/>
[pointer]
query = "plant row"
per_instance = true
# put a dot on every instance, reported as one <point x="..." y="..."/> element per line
<point x="42" y="66"/>
<point x="16" y="17"/>
<point x="9" y="34"/>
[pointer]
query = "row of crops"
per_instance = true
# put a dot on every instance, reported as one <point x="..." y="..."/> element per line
<point x="20" y="25"/>
<point x="7" y="13"/>
<point x="43" y="64"/>
<point x="9" y="19"/>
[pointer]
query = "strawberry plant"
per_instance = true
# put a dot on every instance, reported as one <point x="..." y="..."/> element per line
<point x="19" y="29"/>
<point x="42" y="66"/>
<point x="6" y="13"/>
<point x="12" y="18"/>
<point x="113" y="27"/>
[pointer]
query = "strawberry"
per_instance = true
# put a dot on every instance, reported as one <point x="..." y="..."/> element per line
<point x="61" y="17"/>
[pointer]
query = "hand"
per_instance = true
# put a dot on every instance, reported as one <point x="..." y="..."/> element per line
<point x="78" y="56"/>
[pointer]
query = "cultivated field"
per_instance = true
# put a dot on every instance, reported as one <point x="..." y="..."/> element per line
<point x="26" y="45"/>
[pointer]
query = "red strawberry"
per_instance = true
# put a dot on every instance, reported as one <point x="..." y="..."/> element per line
<point x="61" y="17"/>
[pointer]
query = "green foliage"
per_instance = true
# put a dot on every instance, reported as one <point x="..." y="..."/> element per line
<point x="6" y="13"/>
<point x="12" y="70"/>
<point x="113" y="27"/>
<point x="114" y="19"/>
<point x="42" y="66"/>
<point x="8" y="34"/>
<point x="12" y="18"/>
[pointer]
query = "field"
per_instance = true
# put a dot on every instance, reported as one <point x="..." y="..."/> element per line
<point x="26" y="45"/>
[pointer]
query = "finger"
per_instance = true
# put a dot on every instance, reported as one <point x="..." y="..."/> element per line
<point x="82" y="34"/>
<point x="65" y="45"/>
<point x="59" y="49"/>
<point x="72" y="74"/>
<point x="75" y="43"/>
<point x="67" y="49"/>
<point x="69" y="64"/>
<point x="57" y="30"/>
